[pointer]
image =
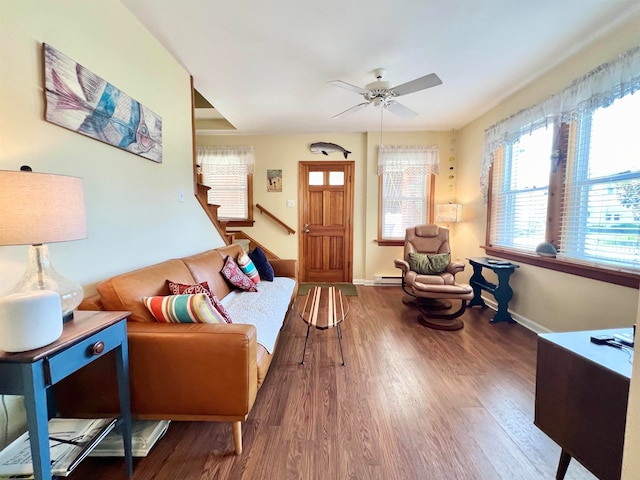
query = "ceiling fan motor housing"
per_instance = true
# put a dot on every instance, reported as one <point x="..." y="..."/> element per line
<point x="379" y="89"/>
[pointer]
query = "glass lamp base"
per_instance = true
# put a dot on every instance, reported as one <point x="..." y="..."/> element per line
<point x="40" y="275"/>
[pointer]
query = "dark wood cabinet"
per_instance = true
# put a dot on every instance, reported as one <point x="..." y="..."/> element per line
<point x="581" y="397"/>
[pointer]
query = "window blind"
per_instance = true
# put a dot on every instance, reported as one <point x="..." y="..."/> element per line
<point x="519" y="193"/>
<point x="601" y="201"/>
<point x="226" y="170"/>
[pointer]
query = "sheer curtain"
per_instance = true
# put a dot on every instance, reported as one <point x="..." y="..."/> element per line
<point x="404" y="189"/>
<point x="598" y="88"/>
<point x="227" y="160"/>
<point x="417" y="160"/>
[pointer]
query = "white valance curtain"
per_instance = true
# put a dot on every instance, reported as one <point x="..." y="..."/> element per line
<point x="418" y="160"/>
<point x="598" y="88"/>
<point x="226" y="160"/>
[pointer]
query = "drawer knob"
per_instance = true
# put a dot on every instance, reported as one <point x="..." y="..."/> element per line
<point x="97" y="348"/>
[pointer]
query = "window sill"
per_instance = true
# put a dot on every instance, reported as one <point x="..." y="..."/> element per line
<point x="390" y="243"/>
<point x="602" y="274"/>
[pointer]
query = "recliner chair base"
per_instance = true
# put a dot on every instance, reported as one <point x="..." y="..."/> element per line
<point x="427" y="303"/>
<point x="442" y="321"/>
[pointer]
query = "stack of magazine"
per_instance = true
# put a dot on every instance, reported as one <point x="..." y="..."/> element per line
<point x="144" y="435"/>
<point x="70" y="441"/>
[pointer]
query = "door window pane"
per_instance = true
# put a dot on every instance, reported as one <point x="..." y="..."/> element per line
<point x="336" y="178"/>
<point x="316" y="178"/>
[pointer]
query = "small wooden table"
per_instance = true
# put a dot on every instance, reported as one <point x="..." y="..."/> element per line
<point x="90" y="335"/>
<point x="502" y="292"/>
<point x="324" y="308"/>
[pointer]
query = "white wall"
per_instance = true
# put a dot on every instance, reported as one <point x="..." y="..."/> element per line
<point x="133" y="214"/>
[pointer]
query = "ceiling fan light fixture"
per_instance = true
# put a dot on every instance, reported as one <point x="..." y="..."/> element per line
<point x="381" y="94"/>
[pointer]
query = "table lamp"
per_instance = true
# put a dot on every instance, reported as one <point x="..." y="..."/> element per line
<point x="41" y="208"/>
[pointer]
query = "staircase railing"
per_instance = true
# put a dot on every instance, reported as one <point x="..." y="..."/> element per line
<point x="266" y="212"/>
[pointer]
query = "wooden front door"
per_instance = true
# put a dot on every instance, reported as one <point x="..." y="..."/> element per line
<point x="325" y="221"/>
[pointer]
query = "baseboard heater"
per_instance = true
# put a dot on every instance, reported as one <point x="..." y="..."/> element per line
<point x="387" y="280"/>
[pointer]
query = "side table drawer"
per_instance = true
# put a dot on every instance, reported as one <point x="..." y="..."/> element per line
<point x="85" y="352"/>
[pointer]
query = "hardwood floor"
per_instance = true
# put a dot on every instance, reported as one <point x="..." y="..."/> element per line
<point x="411" y="403"/>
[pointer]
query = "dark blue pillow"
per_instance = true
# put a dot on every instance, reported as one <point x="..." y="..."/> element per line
<point x="263" y="266"/>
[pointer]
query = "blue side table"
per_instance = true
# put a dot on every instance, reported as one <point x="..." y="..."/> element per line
<point x="502" y="292"/>
<point x="87" y="337"/>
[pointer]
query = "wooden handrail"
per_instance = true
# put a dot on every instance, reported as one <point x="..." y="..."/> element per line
<point x="275" y="219"/>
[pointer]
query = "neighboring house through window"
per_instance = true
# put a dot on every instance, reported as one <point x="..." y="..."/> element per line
<point x="228" y="171"/>
<point x="406" y="176"/>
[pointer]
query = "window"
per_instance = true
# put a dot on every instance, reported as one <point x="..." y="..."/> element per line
<point x="229" y="173"/>
<point x="599" y="211"/>
<point x="405" y="189"/>
<point x="567" y="171"/>
<point x="520" y="190"/>
<point x="601" y="214"/>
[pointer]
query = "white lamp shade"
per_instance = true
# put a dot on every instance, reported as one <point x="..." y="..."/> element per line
<point x="41" y="208"/>
<point x="29" y="320"/>
<point x="449" y="212"/>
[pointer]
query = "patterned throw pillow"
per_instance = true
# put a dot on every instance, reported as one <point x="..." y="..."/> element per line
<point x="259" y="259"/>
<point x="182" y="289"/>
<point x="235" y="277"/>
<point x="248" y="268"/>
<point x="426" y="264"/>
<point x="183" y="309"/>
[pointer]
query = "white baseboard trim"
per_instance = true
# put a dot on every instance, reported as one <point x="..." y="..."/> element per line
<point x="525" y="322"/>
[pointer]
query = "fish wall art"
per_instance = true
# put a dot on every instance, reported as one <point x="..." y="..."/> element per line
<point x="79" y="100"/>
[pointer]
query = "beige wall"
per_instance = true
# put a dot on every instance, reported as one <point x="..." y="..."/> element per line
<point x="550" y="300"/>
<point x="285" y="151"/>
<point x="133" y="214"/>
<point x="631" y="460"/>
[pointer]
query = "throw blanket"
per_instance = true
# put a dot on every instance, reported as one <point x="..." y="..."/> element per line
<point x="265" y="309"/>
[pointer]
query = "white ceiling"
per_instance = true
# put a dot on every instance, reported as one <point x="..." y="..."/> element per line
<point x="265" y="64"/>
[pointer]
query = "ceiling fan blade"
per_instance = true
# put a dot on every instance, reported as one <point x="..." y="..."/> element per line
<point x="351" y="110"/>
<point x="400" y="110"/>
<point x="348" y="86"/>
<point x="421" y="83"/>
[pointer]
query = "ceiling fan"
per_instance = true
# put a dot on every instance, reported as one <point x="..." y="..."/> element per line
<point x="381" y="94"/>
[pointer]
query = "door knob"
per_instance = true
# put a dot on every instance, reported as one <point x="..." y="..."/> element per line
<point x="305" y="229"/>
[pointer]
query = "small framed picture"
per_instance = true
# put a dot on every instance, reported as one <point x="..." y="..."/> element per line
<point x="274" y="180"/>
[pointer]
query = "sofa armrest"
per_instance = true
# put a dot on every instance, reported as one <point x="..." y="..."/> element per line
<point x="177" y="372"/>
<point x="92" y="302"/>
<point x="209" y="369"/>
<point x="285" y="267"/>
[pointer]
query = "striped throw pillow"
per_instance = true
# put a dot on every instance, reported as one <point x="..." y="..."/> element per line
<point x="195" y="308"/>
<point x="248" y="267"/>
<point x="183" y="289"/>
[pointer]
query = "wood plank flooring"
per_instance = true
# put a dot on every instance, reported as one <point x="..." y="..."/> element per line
<point x="411" y="403"/>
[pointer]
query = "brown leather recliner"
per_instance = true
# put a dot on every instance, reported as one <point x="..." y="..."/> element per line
<point x="425" y="289"/>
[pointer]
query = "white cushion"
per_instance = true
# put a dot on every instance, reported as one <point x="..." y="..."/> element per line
<point x="265" y="309"/>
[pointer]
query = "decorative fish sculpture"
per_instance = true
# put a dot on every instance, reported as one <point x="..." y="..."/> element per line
<point x="325" y="148"/>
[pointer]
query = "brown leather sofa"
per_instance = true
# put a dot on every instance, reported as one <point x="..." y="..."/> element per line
<point x="193" y="372"/>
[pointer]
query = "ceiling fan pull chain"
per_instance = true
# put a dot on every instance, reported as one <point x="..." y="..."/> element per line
<point x="381" y="110"/>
